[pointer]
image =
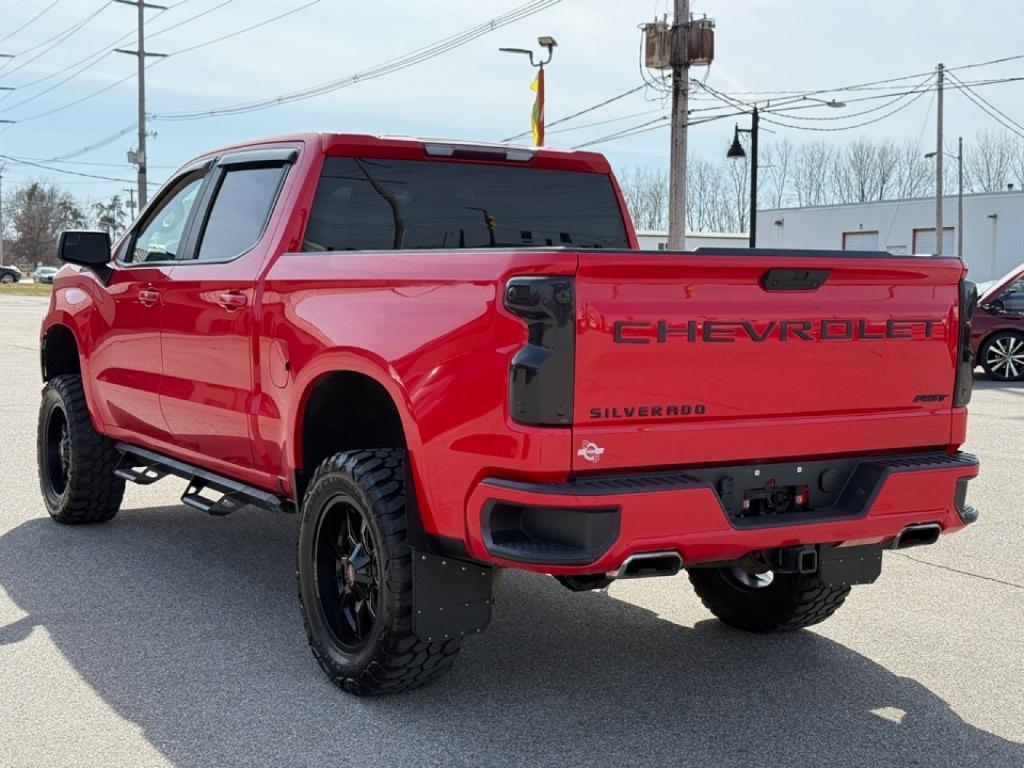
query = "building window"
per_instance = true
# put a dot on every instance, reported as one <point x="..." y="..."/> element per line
<point x="924" y="241"/>
<point x="862" y="240"/>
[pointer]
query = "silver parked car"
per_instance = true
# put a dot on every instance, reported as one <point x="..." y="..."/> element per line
<point x="44" y="275"/>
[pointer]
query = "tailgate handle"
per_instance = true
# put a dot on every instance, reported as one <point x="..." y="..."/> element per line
<point x="794" y="279"/>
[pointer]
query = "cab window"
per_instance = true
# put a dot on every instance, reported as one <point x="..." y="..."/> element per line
<point x="163" y="230"/>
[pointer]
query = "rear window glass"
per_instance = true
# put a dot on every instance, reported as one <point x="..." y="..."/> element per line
<point x="240" y="211"/>
<point x="368" y="204"/>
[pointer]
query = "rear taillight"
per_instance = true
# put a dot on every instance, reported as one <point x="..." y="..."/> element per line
<point x="965" y="358"/>
<point x="541" y="374"/>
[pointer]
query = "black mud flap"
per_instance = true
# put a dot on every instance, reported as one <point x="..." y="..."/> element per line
<point x="845" y="566"/>
<point x="451" y="597"/>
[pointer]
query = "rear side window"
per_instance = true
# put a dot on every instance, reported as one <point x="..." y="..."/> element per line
<point x="240" y="211"/>
<point x="369" y="204"/>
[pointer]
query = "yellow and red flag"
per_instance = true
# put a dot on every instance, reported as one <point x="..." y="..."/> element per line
<point x="537" y="118"/>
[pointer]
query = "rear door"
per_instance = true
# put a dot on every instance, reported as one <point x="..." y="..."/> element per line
<point x="701" y="358"/>
<point x="208" y="387"/>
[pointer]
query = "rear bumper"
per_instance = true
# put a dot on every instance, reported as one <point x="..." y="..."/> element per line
<point x="593" y="524"/>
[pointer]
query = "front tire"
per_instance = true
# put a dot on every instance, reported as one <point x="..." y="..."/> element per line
<point x="1002" y="356"/>
<point x="765" y="602"/>
<point x="7" y="277"/>
<point x="355" y="577"/>
<point x="76" y="463"/>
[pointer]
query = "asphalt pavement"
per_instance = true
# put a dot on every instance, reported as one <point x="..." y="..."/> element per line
<point x="171" y="638"/>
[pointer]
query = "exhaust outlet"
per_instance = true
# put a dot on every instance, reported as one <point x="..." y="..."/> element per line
<point x="918" y="535"/>
<point x="647" y="564"/>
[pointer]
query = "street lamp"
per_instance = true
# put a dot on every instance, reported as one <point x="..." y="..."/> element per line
<point x="736" y="152"/>
<point x="830" y="103"/>
<point x="537" y="118"/>
<point x="959" y="195"/>
<point x="544" y="41"/>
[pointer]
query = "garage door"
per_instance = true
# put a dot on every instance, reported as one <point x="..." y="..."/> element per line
<point x="860" y="241"/>
<point x="924" y="241"/>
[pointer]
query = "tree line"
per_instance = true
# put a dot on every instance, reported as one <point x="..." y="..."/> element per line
<point x="35" y="213"/>
<point x="818" y="173"/>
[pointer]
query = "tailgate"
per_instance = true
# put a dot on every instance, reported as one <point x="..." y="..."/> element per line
<point x="690" y="358"/>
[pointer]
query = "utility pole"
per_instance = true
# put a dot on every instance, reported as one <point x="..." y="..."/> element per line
<point x="141" y="54"/>
<point x="131" y="201"/>
<point x="939" y="152"/>
<point x="7" y="122"/>
<point x="680" y="117"/>
<point x="1" y="213"/>
<point x="960" y="198"/>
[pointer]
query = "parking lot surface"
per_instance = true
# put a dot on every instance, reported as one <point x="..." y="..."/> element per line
<point x="169" y="637"/>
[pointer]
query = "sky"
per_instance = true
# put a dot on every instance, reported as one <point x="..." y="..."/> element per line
<point x="472" y="92"/>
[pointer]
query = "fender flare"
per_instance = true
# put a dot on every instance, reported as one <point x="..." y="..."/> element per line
<point x="348" y="360"/>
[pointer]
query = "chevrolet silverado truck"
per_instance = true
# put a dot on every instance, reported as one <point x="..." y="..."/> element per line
<point x="449" y="358"/>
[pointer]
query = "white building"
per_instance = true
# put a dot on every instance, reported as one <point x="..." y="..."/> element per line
<point x="655" y="240"/>
<point x="993" y="229"/>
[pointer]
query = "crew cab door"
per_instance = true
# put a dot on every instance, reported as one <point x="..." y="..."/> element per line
<point x="125" y="361"/>
<point x="208" y="390"/>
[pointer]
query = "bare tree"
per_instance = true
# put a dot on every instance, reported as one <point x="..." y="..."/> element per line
<point x="737" y="177"/>
<point x="38" y="213"/>
<point x="915" y="176"/>
<point x="709" y="203"/>
<point x="777" y="174"/>
<point x="812" y="173"/>
<point x="988" y="161"/>
<point x="646" y="194"/>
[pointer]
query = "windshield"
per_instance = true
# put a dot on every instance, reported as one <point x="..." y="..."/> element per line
<point x="987" y="286"/>
<point x="369" y="204"/>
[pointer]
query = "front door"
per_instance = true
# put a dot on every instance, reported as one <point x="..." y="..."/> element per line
<point x="126" y="361"/>
<point x="208" y="389"/>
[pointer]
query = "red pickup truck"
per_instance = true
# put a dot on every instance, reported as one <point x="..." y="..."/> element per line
<point x="451" y="358"/>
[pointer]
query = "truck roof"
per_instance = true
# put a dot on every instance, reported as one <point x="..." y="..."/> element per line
<point x="407" y="147"/>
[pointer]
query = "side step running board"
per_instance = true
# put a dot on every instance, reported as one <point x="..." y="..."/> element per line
<point x="145" y="467"/>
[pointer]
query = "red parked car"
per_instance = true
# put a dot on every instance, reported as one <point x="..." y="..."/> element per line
<point x="997" y="331"/>
<point x="451" y="358"/>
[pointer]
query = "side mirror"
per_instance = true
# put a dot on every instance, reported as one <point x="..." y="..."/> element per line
<point x="87" y="248"/>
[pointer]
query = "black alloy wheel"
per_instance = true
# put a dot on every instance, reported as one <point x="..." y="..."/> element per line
<point x="348" y="574"/>
<point x="56" y="453"/>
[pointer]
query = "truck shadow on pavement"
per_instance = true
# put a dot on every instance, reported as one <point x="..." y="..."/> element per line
<point x="189" y="627"/>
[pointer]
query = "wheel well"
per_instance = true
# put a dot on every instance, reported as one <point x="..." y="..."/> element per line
<point x="345" y="411"/>
<point x="996" y="332"/>
<point x="60" y="353"/>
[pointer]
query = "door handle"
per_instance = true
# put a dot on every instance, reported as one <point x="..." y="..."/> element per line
<point x="794" y="279"/>
<point x="149" y="297"/>
<point x="232" y="299"/>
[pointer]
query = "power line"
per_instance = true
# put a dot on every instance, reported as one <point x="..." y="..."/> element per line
<point x="604" y="103"/>
<point x="9" y="35"/>
<point x="107" y="52"/>
<point x="968" y="91"/>
<point x="100" y="54"/>
<point x="243" y="30"/>
<point x="34" y="164"/>
<point x="97" y="145"/>
<point x="53" y="42"/>
<point x="394" y="65"/>
<point x="610" y="120"/>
